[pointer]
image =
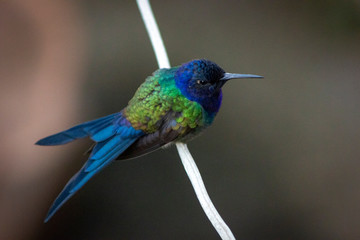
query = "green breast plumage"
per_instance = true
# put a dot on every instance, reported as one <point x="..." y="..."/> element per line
<point x="156" y="97"/>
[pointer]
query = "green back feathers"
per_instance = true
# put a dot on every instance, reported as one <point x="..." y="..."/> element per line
<point x="159" y="95"/>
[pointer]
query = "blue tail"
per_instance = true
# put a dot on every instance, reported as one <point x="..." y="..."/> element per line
<point x="86" y="129"/>
<point x="113" y="134"/>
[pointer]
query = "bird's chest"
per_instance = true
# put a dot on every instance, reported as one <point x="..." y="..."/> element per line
<point x="150" y="108"/>
<point x="176" y="111"/>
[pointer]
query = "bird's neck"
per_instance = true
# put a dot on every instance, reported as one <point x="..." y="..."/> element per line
<point x="210" y="104"/>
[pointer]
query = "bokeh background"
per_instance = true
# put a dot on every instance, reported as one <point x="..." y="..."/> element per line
<point x="280" y="162"/>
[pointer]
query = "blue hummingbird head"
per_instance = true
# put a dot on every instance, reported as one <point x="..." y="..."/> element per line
<point x="201" y="80"/>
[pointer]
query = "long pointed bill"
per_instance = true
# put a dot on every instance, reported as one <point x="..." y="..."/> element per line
<point x="229" y="76"/>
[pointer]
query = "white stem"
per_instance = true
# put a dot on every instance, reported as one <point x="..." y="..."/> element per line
<point x="186" y="158"/>
<point x="154" y="33"/>
<point x="200" y="190"/>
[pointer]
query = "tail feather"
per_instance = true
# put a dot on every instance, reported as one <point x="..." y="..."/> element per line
<point x="103" y="154"/>
<point x="111" y="140"/>
<point x="104" y="134"/>
<point x="90" y="128"/>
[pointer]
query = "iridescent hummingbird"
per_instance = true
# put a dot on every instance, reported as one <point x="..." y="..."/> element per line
<point x="173" y="105"/>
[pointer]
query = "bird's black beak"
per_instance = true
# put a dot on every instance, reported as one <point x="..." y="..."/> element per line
<point x="228" y="76"/>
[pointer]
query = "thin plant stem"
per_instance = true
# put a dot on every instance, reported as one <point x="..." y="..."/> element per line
<point x="201" y="193"/>
<point x="154" y="33"/>
<point x="186" y="158"/>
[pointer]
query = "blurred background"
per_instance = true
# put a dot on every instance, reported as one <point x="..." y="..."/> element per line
<point x="281" y="160"/>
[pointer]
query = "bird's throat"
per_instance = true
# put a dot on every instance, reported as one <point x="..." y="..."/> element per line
<point x="211" y="104"/>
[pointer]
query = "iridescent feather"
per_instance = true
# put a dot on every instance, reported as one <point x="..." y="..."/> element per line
<point x="172" y="105"/>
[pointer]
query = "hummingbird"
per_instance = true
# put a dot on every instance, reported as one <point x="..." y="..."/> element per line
<point x="173" y="105"/>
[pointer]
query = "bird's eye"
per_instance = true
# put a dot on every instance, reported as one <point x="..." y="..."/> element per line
<point x="202" y="82"/>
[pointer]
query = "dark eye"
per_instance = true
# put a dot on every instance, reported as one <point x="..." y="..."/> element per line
<point x="202" y="82"/>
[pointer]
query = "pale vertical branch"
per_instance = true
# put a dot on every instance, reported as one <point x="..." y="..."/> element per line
<point x="201" y="193"/>
<point x="154" y="33"/>
<point x="186" y="158"/>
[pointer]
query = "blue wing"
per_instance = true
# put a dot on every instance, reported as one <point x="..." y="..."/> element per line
<point x="113" y="134"/>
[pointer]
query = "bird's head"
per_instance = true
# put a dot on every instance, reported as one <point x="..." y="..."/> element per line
<point x="201" y="80"/>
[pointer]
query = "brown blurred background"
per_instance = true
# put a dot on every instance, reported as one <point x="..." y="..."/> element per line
<point x="281" y="161"/>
